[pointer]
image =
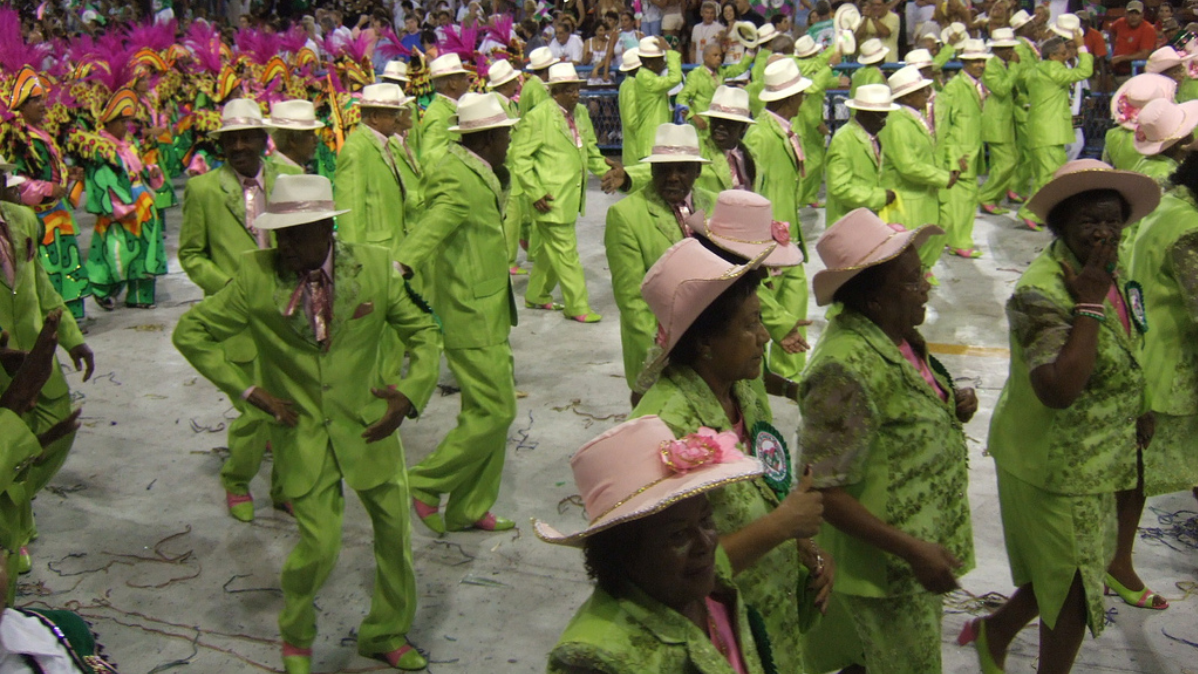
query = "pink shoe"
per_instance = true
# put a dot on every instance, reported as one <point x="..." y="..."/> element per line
<point x="971" y="253"/>
<point x="405" y="657"/>
<point x="490" y="522"/>
<point x="429" y="515"/>
<point x="241" y="506"/>
<point x="1033" y="225"/>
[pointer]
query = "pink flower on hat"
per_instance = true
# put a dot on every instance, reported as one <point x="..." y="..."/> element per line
<point x="662" y="337"/>
<point x="896" y="227"/>
<point x="701" y="448"/>
<point x="780" y="231"/>
<point x="1127" y="111"/>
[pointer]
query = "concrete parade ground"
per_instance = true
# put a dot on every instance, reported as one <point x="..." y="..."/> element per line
<point x="134" y="533"/>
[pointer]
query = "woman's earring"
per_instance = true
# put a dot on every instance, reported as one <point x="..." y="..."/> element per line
<point x="707" y="355"/>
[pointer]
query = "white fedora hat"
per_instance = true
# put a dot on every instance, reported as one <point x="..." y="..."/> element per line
<point x="847" y="17"/>
<point x="1066" y="25"/>
<point x="479" y="112"/>
<point x="847" y="42"/>
<point x="729" y="103"/>
<point x="540" y="58"/>
<point x="563" y="73"/>
<point x="766" y="33"/>
<point x="745" y="33"/>
<point x="396" y="71"/>
<point x="806" y="47"/>
<point x="631" y="60"/>
<point x="783" y="80"/>
<point x="872" y="51"/>
<point x="648" y="48"/>
<point x="500" y="73"/>
<point x="974" y="50"/>
<point x="1019" y="19"/>
<point x="955" y="29"/>
<point x="675" y="143"/>
<point x="920" y="58"/>
<point x="872" y="98"/>
<point x="905" y="80"/>
<point x="298" y="200"/>
<point x="385" y="95"/>
<point x="240" y="114"/>
<point x="1003" y="37"/>
<point x="296" y="114"/>
<point x="446" y="64"/>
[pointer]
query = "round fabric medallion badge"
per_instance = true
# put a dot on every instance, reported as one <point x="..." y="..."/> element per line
<point x="771" y="450"/>
<point x="1135" y="305"/>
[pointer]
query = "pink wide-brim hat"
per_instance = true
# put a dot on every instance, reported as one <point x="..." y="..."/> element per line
<point x="1165" y="58"/>
<point x="1084" y="175"/>
<point x="1134" y="94"/>
<point x="625" y="475"/>
<point x="1162" y="124"/>
<point x="684" y="282"/>
<point x="743" y="223"/>
<point x="856" y="242"/>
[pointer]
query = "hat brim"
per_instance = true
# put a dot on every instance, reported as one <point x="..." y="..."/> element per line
<point x="915" y="86"/>
<point x="626" y="68"/>
<point x="1141" y="192"/>
<point x="787" y="255"/>
<point x="241" y="127"/>
<point x="576" y="80"/>
<point x="447" y="73"/>
<point x="1188" y="123"/>
<point x="657" y="498"/>
<point x="500" y="83"/>
<point x="393" y="79"/>
<point x="675" y="159"/>
<point x="1021" y="24"/>
<point x="272" y="221"/>
<point x="15" y="179"/>
<point x="979" y="56"/>
<point x="726" y="115"/>
<point x="1002" y="44"/>
<point x="853" y="105"/>
<point x="873" y="58"/>
<point x="1058" y="31"/>
<point x="797" y="88"/>
<point x="298" y="126"/>
<point x="496" y="125"/>
<point x="826" y="282"/>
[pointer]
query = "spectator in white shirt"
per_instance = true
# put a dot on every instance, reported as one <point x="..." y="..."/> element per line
<point x="708" y="32"/>
<point x="565" y="44"/>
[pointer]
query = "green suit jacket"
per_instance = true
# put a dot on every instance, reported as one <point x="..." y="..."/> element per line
<point x="1118" y="151"/>
<point x="24" y="305"/>
<point x="213" y="236"/>
<point x="700" y="86"/>
<point x="865" y="75"/>
<point x="435" y="135"/>
<point x="330" y="388"/>
<point x="368" y="183"/>
<point x="640" y="228"/>
<point x="717" y="176"/>
<point x="909" y="167"/>
<point x="958" y="111"/>
<point x="462" y="233"/>
<point x="411" y="175"/>
<point x="778" y="179"/>
<point x="532" y="93"/>
<point x="1049" y="86"/>
<point x="652" y="103"/>
<point x="17" y="445"/>
<point x="629" y="121"/>
<point x="546" y="160"/>
<point x="853" y="173"/>
<point x="822" y="77"/>
<point x="998" y="112"/>
<point x="1029" y="57"/>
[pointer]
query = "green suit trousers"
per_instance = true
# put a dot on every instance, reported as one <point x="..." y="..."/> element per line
<point x="556" y="262"/>
<point x="1044" y="162"/>
<point x="958" y="208"/>
<point x="1003" y="158"/>
<point x="318" y="514"/>
<point x="791" y="290"/>
<point x="249" y="434"/>
<point x="468" y="464"/>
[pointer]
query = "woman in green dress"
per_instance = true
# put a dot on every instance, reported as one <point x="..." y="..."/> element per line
<point x="664" y="600"/>
<point x="1071" y="417"/>
<point x="711" y="341"/>
<point x="882" y="430"/>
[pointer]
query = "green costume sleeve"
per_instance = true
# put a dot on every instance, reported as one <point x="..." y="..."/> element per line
<point x="349" y="191"/>
<point x="640" y="175"/>
<point x="760" y="61"/>
<point x="917" y="169"/>
<point x="523" y="152"/>
<point x="946" y="54"/>
<point x="18" y="444"/>
<point x="999" y="78"/>
<point x="778" y="321"/>
<point x="595" y="161"/>
<point x="421" y="340"/>
<point x="637" y="322"/>
<point x="737" y="69"/>
<point x="660" y="84"/>
<point x="445" y="212"/>
<point x="23" y="220"/>
<point x="1061" y="74"/>
<point x="105" y="181"/>
<point x="201" y="330"/>
<point x="839" y="423"/>
<point x="193" y="246"/>
<point x="686" y="97"/>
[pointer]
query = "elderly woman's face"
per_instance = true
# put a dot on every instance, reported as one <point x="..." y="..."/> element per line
<point x="675" y="560"/>
<point x="1094" y="223"/>
<point x="739" y="351"/>
<point x="904" y="294"/>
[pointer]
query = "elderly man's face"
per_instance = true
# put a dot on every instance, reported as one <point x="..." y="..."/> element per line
<point x="562" y="33"/>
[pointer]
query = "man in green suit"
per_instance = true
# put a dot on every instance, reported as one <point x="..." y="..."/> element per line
<point x="630" y="65"/>
<point x="504" y="80"/>
<point x="872" y="53"/>
<point x="854" y="164"/>
<point x="816" y="66"/>
<point x="781" y="176"/>
<point x="317" y="311"/>
<point x="462" y="229"/>
<point x="958" y="119"/>
<point x="998" y="120"/>
<point x="702" y="82"/>
<point x="219" y="208"/>
<point x="295" y="134"/>
<point x="1028" y="56"/>
<point x="534" y="92"/>
<point x="909" y="162"/>
<point x="450" y="80"/>
<point x="732" y="166"/>
<point x="555" y="148"/>
<point x="1049" y="85"/>
<point x="652" y="94"/>
<point x="368" y="181"/>
<point x="642" y="227"/>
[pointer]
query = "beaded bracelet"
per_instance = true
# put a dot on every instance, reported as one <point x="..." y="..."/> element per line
<point x="1093" y="307"/>
<point x="1090" y="314"/>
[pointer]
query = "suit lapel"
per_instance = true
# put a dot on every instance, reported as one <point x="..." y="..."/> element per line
<point x="777" y="129"/>
<point x="383" y="154"/>
<point x="476" y="165"/>
<point x="662" y="215"/>
<point x="235" y="198"/>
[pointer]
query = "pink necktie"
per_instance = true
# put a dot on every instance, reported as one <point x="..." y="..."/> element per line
<point x="681" y="213"/>
<point x="253" y="208"/>
<point x="7" y="257"/>
<point x="798" y="148"/>
<point x="738" y="177"/>
<point x="574" y="130"/>
<point x="315" y="289"/>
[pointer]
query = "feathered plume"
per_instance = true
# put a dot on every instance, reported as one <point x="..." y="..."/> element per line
<point x="461" y="43"/>
<point x="112" y="57"/>
<point x="204" y="42"/>
<point x="293" y="40"/>
<point x="390" y="46"/>
<point x="258" y="45"/>
<point x="355" y="49"/>
<point x="499" y="29"/>
<point x="152" y="35"/>
<point x="15" y="53"/>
